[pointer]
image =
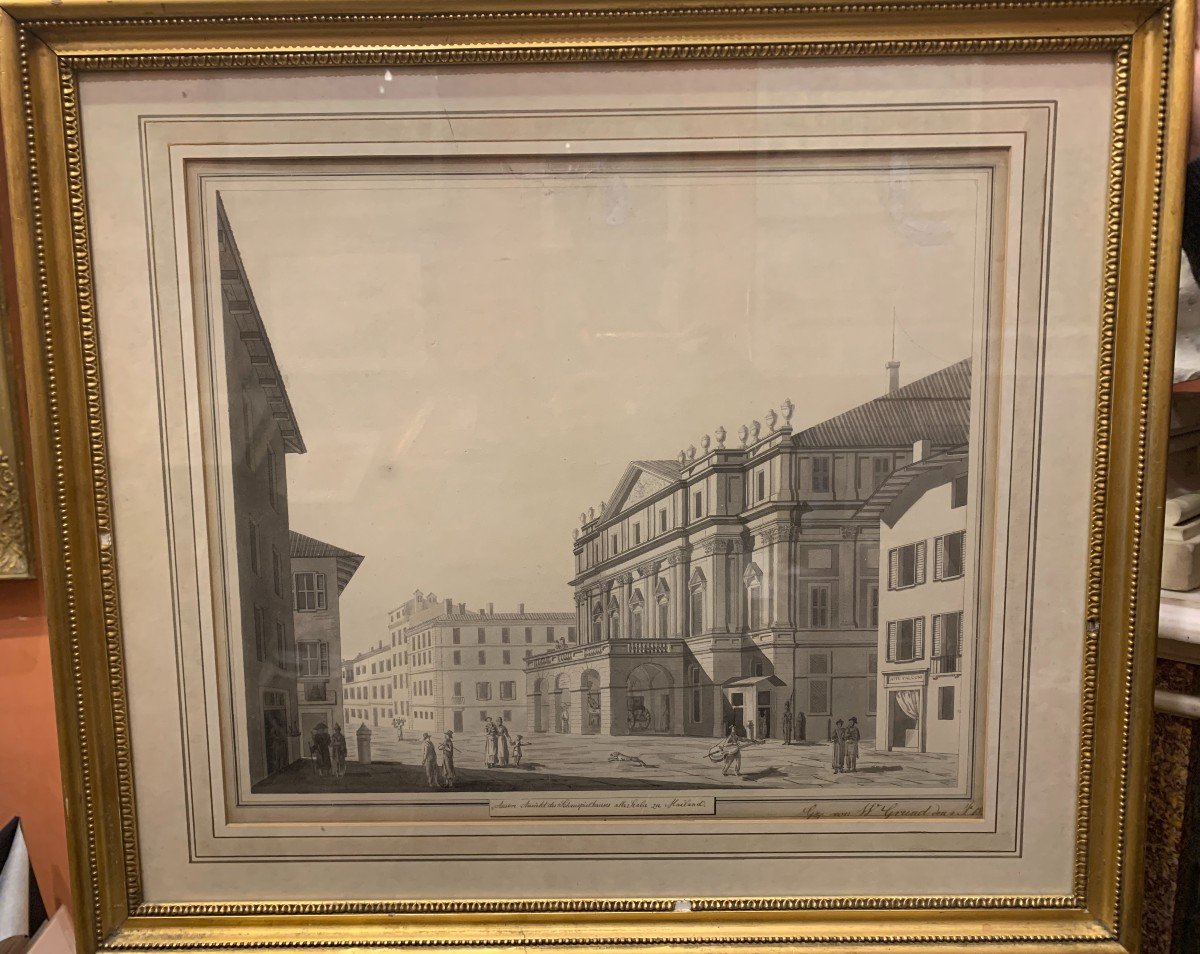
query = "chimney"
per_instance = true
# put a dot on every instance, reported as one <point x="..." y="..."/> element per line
<point x="479" y="612"/>
<point x="922" y="449"/>
<point x="491" y="609"/>
<point x="521" y="609"/>
<point x="462" y="609"/>
<point x="449" y="607"/>
<point x="893" y="369"/>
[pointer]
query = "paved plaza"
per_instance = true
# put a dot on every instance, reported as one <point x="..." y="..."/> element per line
<point x="582" y="763"/>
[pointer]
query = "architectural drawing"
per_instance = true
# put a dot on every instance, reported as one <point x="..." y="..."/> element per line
<point x="780" y="606"/>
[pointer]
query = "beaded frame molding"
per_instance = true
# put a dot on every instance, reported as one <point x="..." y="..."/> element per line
<point x="46" y="44"/>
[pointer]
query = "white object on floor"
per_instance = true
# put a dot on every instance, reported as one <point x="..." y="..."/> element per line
<point x="56" y="936"/>
<point x="1187" y="333"/>
<point x="14" y="890"/>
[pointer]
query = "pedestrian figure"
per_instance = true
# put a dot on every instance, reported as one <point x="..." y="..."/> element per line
<point x="850" y="756"/>
<point x="429" y="760"/>
<point x="491" y="741"/>
<point x="279" y="746"/>
<point x="839" y="746"/>
<point x="447" y="747"/>
<point x="502" y="742"/>
<point x="517" y="750"/>
<point x="320" y="749"/>
<point x="800" y="727"/>
<point x="787" y="723"/>
<point x="337" y="751"/>
<point x="732" y="752"/>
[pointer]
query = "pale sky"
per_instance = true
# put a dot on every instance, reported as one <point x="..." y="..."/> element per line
<point x="473" y="360"/>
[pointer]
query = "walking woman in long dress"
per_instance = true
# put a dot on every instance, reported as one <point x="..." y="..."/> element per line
<point x="447" y="747"/>
<point x="490" y="743"/>
<point x="502" y="742"/>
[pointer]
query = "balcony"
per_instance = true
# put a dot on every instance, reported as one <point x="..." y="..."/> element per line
<point x="458" y="700"/>
<point x="947" y="664"/>
<point x="609" y="647"/>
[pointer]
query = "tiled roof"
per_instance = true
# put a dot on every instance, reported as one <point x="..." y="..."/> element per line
<point x="307" y="547"/>
<point x="936" y="408"/>
<point x="476" y="618"/>
<point x="887" y="492"/>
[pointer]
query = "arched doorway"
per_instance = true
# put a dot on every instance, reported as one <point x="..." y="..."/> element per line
<point x="589" y="696"/>
<point x="562" y="705"/>
<point x="648" y="700"/>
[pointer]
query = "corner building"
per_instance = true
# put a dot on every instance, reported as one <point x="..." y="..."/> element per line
<point x="714" y="589"/>
<point x="455" y="668"/>
<point x="263" y="432"/>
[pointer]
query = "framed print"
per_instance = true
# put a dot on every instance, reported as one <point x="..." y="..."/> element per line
<point x="518" y="475"/>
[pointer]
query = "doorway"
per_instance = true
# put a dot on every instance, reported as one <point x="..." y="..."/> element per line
<point x="904" y="720"/>
<point x="764" y="714"/>
<point x="737" y="713"/>
<point x="276" y="738"/>
<point x="458" y="720"/>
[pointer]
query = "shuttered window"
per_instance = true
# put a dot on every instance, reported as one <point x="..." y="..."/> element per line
<point x="948" y="556"/>
<point x="818" y="696"/>
<point x="906" y="639"/>
<point x="906" y="566"/>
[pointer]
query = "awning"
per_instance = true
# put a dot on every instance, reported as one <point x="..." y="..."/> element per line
<point x="749" y="682"/>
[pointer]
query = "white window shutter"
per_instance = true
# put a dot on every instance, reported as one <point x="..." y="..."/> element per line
<point x="891" y="646"/>
<point x="919" y="638"/>
<point x="920" y="563"/>
<point x="893" y="567"/>
<point x="320" y="590"/>
<point x="938" y="626"/>
<point x="324" y="659"/>
<point x="939" y="557"/>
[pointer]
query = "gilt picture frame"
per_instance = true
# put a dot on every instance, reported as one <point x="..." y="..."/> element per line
<point x="570" y="235"/>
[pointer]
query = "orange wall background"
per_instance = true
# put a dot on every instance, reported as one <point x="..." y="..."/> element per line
<point x="30" y="777"/>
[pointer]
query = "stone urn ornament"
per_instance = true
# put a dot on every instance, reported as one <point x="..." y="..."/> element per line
<point x="719" y="433"/>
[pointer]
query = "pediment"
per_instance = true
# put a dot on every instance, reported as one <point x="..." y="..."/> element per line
<point x="635" y="485"/>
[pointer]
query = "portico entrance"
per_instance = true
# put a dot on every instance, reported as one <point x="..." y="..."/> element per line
<point x="648" y="700"/>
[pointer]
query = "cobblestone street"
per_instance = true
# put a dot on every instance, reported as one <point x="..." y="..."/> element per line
<point x="581" y="763"/>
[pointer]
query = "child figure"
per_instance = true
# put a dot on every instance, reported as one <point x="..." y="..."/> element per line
<point x="517" y="750"/>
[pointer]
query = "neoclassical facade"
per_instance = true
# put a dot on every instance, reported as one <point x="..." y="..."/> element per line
<point x="718" y="588"/>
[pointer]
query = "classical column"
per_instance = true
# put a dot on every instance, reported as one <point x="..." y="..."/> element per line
<point x="681" y="597"/>
<point x="627" y="609"/>
<point x="724" y="597"/>
<point x="582" y="623"/>
<point x="778" y="540"/>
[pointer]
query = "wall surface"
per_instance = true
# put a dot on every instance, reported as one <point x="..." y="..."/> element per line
<point x="30" y="778"/>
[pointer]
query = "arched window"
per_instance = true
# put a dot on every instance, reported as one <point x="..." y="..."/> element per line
<point x="597" y="623"/>
<point x="696" y="605"/>
<point x="752" y="580"/>
<point x="614" y="618"/>
<point x="637" y="608"/>
<point x="662" y="596"/>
